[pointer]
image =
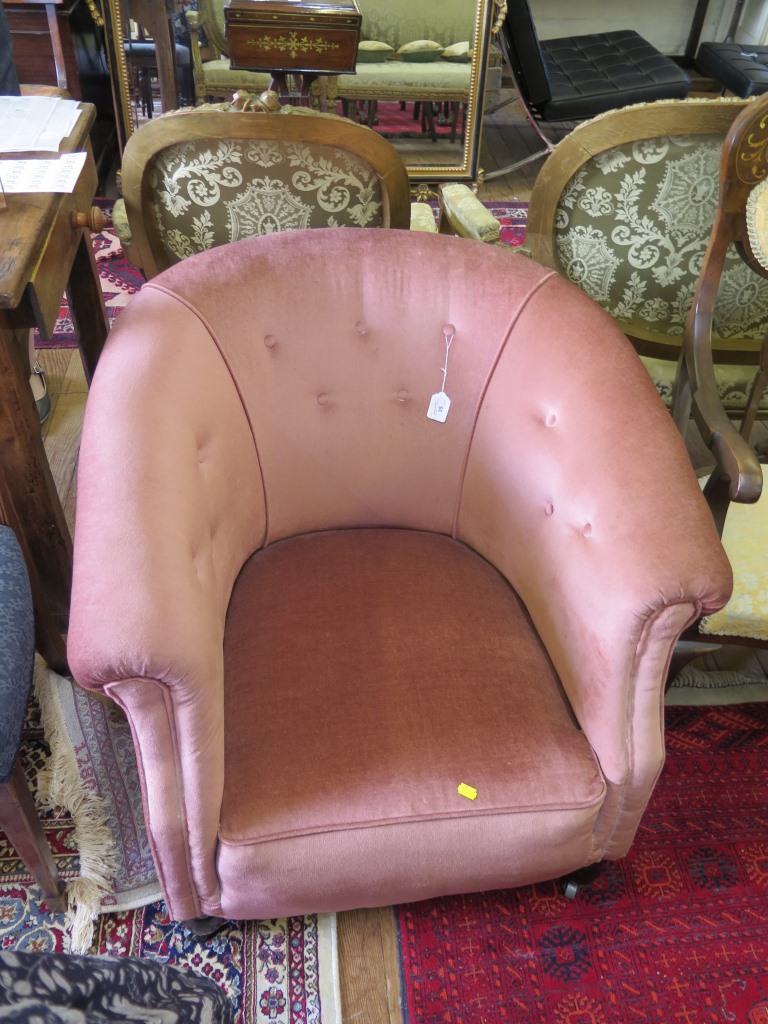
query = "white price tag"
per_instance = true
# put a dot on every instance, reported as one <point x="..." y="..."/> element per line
<point x="438" y="407"/>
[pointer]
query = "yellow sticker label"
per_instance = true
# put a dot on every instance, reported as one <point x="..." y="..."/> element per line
<point x="468" y="791"/>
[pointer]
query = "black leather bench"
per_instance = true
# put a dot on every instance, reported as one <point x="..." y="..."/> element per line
<point x="578" y="77"/>
<point x="593" y="73"/>
<point x="741" y="69"/>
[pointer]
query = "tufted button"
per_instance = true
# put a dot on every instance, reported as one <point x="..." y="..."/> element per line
<point x="323" y="399"/>
<point x="587" y="531"/>
<point x="270" y="340"/>
<point x="403" y="395"/>
<point x="551" y="420"/>
<point x="360" y="328"/>
<point x="549" y="508"/>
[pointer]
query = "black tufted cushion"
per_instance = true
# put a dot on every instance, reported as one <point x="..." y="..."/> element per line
<point x="742" y="70"/>
<point x="17" y="648"/>
<point x="594" y="73"/>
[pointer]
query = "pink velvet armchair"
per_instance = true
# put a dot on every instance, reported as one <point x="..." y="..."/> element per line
<point x="324" y="611"/>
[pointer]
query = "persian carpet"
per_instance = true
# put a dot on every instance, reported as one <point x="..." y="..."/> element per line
<point x="675" y="932"/>
<point x="284" y="970"/>
<point x="119" y="281"/>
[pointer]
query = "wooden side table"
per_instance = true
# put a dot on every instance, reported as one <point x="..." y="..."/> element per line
<point x="45" y="250"/>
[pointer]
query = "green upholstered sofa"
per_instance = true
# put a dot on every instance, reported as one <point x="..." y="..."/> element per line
<point x="398" y="23"/>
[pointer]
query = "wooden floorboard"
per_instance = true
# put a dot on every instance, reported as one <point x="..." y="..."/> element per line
<point x="369" y="966"/>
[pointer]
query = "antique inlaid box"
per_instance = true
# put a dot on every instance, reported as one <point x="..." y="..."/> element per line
<point x="291" y="35"/>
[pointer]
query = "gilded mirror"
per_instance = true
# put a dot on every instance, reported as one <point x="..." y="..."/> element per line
<point x="430" y="155"/>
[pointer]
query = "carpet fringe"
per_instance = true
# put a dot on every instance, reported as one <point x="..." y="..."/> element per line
<point x="59" y="785"/>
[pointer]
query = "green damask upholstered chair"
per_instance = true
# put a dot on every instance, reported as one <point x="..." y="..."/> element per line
<point x="214" y="78"/>
<point x="624" y="208"/>
<point x="197" y="178"/>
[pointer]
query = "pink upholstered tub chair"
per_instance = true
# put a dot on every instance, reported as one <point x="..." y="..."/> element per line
<point x="324" y="611"/>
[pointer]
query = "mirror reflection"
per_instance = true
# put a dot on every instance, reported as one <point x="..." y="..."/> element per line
<point x="421" y="75"/>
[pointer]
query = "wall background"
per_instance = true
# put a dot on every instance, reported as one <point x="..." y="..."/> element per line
<point x="665" y="23"/>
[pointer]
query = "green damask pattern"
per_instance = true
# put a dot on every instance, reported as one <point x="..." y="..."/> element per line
<point x="631" y="229"/>
<point x="207" y="194"/>
<point x="401" y="21"/>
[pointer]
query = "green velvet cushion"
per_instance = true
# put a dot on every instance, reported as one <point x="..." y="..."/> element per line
<point x="420" y="51"/>
<point x="370" y="51"/>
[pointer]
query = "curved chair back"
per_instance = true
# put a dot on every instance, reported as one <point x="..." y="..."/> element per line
<point x="199" y="178"/>
<point x="624" y="208"/>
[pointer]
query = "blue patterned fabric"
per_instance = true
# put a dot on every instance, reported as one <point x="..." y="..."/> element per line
<point x="17" y="648"/>
<point x="53" y="988"/>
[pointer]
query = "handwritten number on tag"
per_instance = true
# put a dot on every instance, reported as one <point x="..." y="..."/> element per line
<point x="439" y="406"/>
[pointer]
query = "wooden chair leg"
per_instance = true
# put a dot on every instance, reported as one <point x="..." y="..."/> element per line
<point x="21" y="823"/>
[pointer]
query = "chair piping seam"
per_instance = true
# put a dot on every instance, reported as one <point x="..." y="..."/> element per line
<point x="483" y="391"/>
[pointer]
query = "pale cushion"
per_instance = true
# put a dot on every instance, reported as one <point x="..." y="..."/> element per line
<point x="370" y="50"/>
<point x="458" y="52"/>
<point x="420" y="50"/>
<point x="220" y="79"/>
<point x="745" y="538"/>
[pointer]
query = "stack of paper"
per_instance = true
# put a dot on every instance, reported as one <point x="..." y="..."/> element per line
<point x="34" y="124"/>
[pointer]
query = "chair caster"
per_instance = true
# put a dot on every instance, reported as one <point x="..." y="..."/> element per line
<point x="203" y="927"/>
<point x="573" y="883"/>
<point x="571" y="888"/>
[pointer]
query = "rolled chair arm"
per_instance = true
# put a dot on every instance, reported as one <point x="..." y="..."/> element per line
<point x="422" y="218"/>
<point x="462" y="213"/>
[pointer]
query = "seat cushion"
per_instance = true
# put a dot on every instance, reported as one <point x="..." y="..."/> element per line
<point x="741" y="69"/>
<point x="590" y="74"/>
<point x="368" y="673"/>
<point x="220" y="80"/>
<point x="746" y="527"/>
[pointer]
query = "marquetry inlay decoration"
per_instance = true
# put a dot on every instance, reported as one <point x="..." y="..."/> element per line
<point x="752" y="158"/>
<point x="293" y="45"/>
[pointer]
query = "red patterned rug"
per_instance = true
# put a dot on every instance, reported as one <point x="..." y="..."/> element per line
<point x="395" y="122"/>
<point x="676" y="933"/>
